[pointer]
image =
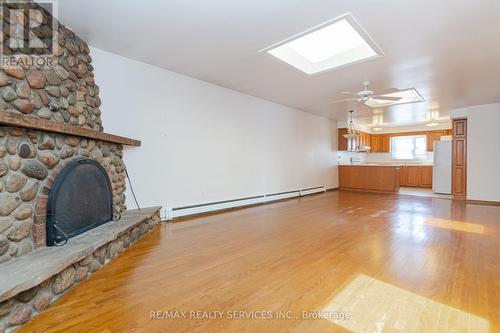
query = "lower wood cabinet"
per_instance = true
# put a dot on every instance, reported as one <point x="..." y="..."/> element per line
<point x="426" y="176"/>
<point x="416" y="176"/>
<point x="402" y="176"/>
<point x="413" y="176"/>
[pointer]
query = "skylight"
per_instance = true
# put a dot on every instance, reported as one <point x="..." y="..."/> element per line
<point x="337" y="43"/>
<point x="407" y="96"/>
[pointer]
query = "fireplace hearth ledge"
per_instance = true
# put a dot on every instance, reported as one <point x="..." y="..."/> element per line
<point x="29" y="271"/>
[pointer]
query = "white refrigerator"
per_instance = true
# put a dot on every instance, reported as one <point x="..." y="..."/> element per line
<point x="441" y="180"/>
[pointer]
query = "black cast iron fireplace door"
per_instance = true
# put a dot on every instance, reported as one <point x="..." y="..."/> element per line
<point x="80" y="199"/>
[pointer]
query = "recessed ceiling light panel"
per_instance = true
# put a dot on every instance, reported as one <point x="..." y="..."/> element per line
<point x="334" y="44"/>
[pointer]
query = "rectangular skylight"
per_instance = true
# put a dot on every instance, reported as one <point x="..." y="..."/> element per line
<point x="406" y="96"/>
<point x="334" y="44"/>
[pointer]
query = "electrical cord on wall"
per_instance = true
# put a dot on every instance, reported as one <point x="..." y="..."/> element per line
<point x="132" y="189"/>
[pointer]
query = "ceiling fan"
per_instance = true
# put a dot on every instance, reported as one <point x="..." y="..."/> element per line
<point x="365" y="94"/>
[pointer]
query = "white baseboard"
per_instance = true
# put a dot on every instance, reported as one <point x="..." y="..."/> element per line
<point x="172" y="213"/>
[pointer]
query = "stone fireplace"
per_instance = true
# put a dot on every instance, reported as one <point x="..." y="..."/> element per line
<point x="62" y="182"/>
<point x="31" y="162"/>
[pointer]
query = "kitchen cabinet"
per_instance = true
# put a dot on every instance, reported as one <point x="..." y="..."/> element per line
<point x="415" y="176"/>
<point x="431" y="137"/>
<point x="342" y="142"/>
<point x="426" y="176"/>
<point x="435" y="136"/>
<point x="385" y="143"/>
<point x="364" y="140"/>
<point x="402" y="176"/>
<point x="381" y="143"/>
<point x="352" y="144"/>
<point x="375" y="143"/>
<point x="370" y="178"/>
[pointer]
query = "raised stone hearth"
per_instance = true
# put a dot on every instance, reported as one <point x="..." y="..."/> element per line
<point x="50" y="117"/>
<point x="29" y="284"/>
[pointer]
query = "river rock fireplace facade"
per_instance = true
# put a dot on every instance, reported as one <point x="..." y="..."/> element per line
<point x="60" y="176"/>
<point x="30" y="165"/>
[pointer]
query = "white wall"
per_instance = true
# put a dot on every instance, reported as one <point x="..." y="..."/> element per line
<point x="483" y="152"/>
<point x="204" y="143"/>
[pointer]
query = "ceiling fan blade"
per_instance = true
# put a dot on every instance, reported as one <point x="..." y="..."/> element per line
<point x="344" y="100"/>
<point x="346" y="93"/>
<point x="386" y="98"/>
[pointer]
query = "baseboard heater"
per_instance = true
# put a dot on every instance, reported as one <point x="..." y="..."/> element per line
<point x="172" y="213"/>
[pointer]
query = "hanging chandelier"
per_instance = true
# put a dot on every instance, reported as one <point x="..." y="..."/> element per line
<point x="351" y="131"/>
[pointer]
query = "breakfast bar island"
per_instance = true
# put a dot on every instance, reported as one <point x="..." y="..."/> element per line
<point x="369" y="177"/>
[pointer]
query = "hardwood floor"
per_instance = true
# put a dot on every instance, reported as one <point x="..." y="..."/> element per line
<point x="388" y="262"/>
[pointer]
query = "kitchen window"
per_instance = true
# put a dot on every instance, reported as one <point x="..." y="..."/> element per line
<point x="409" y="147"/>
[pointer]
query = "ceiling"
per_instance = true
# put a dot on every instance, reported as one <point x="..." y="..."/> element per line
<point x="448" y="50"/>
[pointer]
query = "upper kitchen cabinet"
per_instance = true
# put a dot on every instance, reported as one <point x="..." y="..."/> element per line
<point x="342" y="142"/>
<point x="359" y="144"/>
<point x="385" y="143"/>
<point x="435" y="136"/>
<point x="363" y="141"/>
<point x="380" y="143"/>
<point x="375" y="143"/>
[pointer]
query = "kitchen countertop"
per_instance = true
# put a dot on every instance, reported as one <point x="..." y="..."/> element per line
<point x="385" y="164"/>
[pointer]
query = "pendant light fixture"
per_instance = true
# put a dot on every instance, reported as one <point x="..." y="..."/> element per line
<point x="351" y="131"/>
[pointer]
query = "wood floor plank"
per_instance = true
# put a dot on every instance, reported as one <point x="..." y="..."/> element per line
<point x="395" y="263"/>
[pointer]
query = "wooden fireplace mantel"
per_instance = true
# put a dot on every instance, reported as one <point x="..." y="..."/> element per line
<point x="10" y="118"/>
